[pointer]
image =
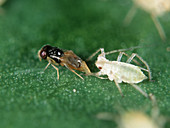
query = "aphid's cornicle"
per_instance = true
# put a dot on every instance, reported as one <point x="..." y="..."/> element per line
<point x="120" y="71"/>
<point x="56" y="56"/>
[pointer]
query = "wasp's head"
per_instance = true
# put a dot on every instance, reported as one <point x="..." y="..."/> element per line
<point x="53" y="53"/>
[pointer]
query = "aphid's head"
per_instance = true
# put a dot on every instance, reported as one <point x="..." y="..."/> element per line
<point x="101" y="60"/>
<point x="53" y="53"/>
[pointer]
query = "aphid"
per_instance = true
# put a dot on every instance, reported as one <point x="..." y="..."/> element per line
<point x="156" y="8"/>
<point x="136" y="118"/>
<point x="70" y="60"/>
<point x="1" y="9"/>
<point x="120" y="71"/>
<point x="139" y="119"/>
<point x="2" y="2"/>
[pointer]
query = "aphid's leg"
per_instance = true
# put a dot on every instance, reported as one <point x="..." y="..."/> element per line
<point x="119" y="56"/>
<point x="140" y="58"/>
<point x="140" y="90"/>
<point x="123" y="53"/>
<point x="159" y="27"/>
<point x="47" y="66"/>
<point x="98" y="75"/>
<point x="130" y="15"/>
<point x="117" y="85"/>
<point x="143" y="69"/>
<point x="90" y="57"/>
<point x="76" y="73"/>
<point x="101" y="77"/>
<point x="57" y="71"/>
<point x="155" y="110"/>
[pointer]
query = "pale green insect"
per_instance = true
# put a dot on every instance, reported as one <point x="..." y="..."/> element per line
<point x="136" y="118"/>
<point x="155" y="8"/>
<point x="2" y="2"/>
<point x="119" y="72"/>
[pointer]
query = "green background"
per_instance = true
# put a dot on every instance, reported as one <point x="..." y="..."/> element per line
<point x="31" y="98"/>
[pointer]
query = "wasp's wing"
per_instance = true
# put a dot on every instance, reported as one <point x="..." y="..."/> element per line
<point x="72" y="59"/>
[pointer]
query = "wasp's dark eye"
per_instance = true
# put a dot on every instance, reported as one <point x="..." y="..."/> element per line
<point x="43" y="54"/>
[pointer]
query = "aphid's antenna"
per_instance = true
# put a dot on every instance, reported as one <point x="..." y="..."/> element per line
<point x="122" y="50"/>
<point x="159" y="27"/>
<point x="130" y="15"/>
<point x="114" y="51"/>
<point x="102" y="52"/>
<point x="90" y="57"/>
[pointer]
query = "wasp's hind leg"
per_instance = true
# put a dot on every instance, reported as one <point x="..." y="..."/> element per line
<point x="76" y="73"/>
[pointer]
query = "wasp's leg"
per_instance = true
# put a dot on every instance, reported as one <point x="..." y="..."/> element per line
<point x="47" y="66"/>
<point x="140" y="58"/>
<point x="130" y="15"/>
<point x="57" y="71"/>
<point x="76" y="73"/>
<point x="140" y="90"/>
<point x="117" y="85"/>
<point x="159" y="27"/>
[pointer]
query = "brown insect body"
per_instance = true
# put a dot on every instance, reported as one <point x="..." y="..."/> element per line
<point x="68" y="58"/>
<point x="71" y="60"/>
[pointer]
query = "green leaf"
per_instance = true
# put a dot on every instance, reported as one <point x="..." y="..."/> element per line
<point x="32" y="98"/>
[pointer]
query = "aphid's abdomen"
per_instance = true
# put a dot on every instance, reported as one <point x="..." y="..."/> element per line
<point x="127" y="72"/>
<point x="156" y="7"/>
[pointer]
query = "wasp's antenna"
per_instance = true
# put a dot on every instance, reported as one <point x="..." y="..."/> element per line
<point x="39" y="55"/>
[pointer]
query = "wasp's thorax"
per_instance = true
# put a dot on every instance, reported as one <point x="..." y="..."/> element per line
<point x="53" y="53"/>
